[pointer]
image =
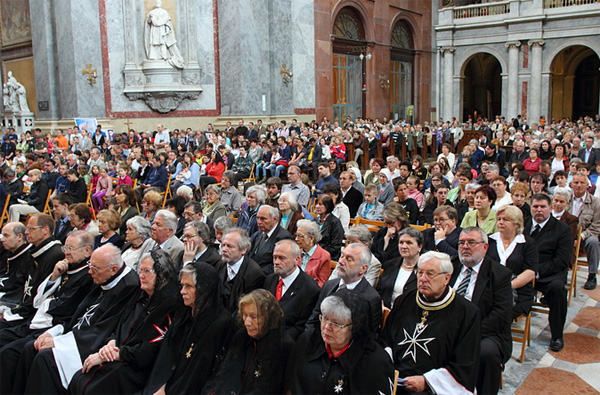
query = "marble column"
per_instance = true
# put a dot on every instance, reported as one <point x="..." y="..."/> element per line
<point x="513" y="79"/>
<point x="447" y="104"/>
<point x="535" y="85"/>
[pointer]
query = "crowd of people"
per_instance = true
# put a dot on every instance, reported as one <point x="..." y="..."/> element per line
<point x="234" y="260"/>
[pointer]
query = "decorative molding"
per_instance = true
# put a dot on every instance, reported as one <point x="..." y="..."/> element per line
<point x="512" y="44"/>
<point x="535" y="42"/>
<point x="163" y="102"/>
<point x="444" y="50"/>
<point x="304" y="111"/>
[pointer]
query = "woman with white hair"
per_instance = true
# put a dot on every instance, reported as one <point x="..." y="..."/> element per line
<point x="290" y="212"/>
<point x="316" y="261"/>
<point x="560" y="204"/>
<point x="138" y="241"/>
<point x="385" y="190"/>
<point x="213" y="208"/>
<point x="255" y="197"/>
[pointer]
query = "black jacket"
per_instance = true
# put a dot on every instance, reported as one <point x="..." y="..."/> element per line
<point x="78" y="191"/>
<point x="249" y="277"/>
<point x="37" y="195"/>
<point x="264" y="255"/>
<point x="297" y="302"/>
<point x="353" y="199"/>
<point x="449" y="245"/>
<point x="555" y="247"/>
<point x="332" y="236"/>
<point x="385" y="287"/>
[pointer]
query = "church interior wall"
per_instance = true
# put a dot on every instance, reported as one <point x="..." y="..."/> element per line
<point x="23" y="71"/>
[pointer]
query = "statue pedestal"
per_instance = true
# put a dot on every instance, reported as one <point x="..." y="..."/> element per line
<point x="161" y="86"/>
<point x="20" y="121"/>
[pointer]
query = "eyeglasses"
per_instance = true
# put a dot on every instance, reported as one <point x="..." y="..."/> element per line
<point x="189" y="236"/>
<point x="30" y="228"/>
<point x="299" y="235"/>
<point x="96" y="268"/>
<point x="145" y="272"/>
<point x="429" y="275"/>
<point x="469" y="243"/>
<point x="334" y="325"/>
<point x="440" y="220"/>
<point x="69" y="248"/>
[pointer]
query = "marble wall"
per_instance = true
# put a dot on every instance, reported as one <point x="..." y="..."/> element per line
<point x="66" y="36"/>
<point x="255" y="39"/>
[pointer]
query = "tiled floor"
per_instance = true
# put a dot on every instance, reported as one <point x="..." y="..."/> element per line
<point x="574" y="370"/>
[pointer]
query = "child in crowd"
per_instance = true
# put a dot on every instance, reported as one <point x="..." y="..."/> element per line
<point x="103" y="188"/>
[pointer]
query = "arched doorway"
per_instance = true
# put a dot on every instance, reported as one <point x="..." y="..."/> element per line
<point x="401" y="71"/>
<point x="349" y="55"/>
<point x="482" y="87"/>
<point x="575" y="83"/>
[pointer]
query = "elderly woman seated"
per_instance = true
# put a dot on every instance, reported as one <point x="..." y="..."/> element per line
<point x="332" y="231"/>
<point x="124" y="363"/>
<point x="316" y="261"/>
<point x="138" y="241"/>
<point x="290" y="211"/>
<point x="341" y="354"/>
<point x="230" y="196"/>
<point x="108" y="225"/>
<point x="256" y="359"/>
<point x="255" y="197"/>
<point x="80" y="218"/>
<point x="213" y="208"/>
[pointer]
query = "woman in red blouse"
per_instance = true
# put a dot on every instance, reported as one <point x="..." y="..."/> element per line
<point x="214" y="171"/>
<point x="338" y="150"/>
<point x="532" y="164"/>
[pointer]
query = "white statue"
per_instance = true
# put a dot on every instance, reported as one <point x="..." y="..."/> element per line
<point x="14" y="95"/>
<point x="159" y="37"/>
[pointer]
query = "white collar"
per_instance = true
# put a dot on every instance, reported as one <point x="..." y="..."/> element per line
<point x="289" y="280"/>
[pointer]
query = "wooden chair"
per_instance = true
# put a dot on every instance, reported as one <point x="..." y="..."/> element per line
<point x="372" y="225"/>
<point x="167" y="192"/>
<point x="333" y="265"/>
<point x="395" y="387"/>
<point x="4" y="217"/>
<point x="421" y="227"/>
<point x="384" y="313"/>
<point x="522" y="335"/>
<point x="572" y="282"/>
<point x="88" y="200"/>
<point x="250" y="178"/>
<point x="47" y="209"/>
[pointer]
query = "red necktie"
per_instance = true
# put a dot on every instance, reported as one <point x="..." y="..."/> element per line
<point x="279" y="290"/>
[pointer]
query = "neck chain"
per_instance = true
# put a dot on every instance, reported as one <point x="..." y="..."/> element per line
<point x="433" y="306"/>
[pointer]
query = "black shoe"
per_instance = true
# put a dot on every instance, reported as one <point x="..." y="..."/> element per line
<point x="590" y="283"/>
<point x="557" y="344"/>
<point x="543" y="300"/>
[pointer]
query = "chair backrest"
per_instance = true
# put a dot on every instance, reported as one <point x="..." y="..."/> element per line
<point x="47" y="209"/>
<point x="372" y="225"/>
<point x="333" y="265"/>
<point x="421" y="227"/>
<point x="4" y="216"/>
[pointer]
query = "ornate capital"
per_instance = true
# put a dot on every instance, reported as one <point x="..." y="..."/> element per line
<point x="533" y="43"/>
<point x="447" y="50"/>
<point x="512" y="44"/>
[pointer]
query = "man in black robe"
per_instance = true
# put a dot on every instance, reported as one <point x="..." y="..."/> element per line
<point x="432" y="334"/>
<point x="52" y="360"/>
<point x="15" y="263"/>
<point x="46" y="252"/>
<point x="56" y="299"/>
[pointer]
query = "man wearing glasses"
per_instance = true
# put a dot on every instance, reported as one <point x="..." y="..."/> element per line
<point x="46" y="252"/>
<point x="63" y="347"/>
<point x="486" y="284"/>
<point x="432" y="334"/>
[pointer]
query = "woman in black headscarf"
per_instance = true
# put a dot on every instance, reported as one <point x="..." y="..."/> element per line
<point x="340" y="355"/>
<point x="256" y="359"/>
<point x="198" y="336"/>
<point x="124" y="363"/>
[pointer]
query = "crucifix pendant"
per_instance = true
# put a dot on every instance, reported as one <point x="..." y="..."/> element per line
<point x="188" y="354"/>
<point x="423" y="320"/>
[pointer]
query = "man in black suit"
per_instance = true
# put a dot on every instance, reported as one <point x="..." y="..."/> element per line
<point x="50" y="174"/>
<point x="496" y="155"/>
<point x="263" y="240"/>
<point x="295" y="290"/>
<point x="519" y="154"/>
<point x="62" y="226"/>
<point x="352" y="196"/>
<point x="238" y="274"/>
<point x="589" y="154"/>
<point x="315" y="153"/>
<point x="555" y="246"/>
<point x="443" y="237"/>
<point x="13" y="185"/>
<point x="198" y="241"/>
<point x="351" y="268"/>
<point x="486" y="284"/>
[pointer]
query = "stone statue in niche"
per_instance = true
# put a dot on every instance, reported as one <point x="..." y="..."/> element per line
<point x="159" y="37"/>
<point x="14" y="96"/>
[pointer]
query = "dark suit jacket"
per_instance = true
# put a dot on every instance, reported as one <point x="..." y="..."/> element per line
<point x="297" y="302"/>
<point x="210" y="256"/>
<point x="594" y="157"/>
<point x="332" y="236"/>
<point x="62" y="235"/>
<point x="15" y="189"/>
<point x="248" y="278"/>
<point x="353" y="200"/>
<point x="363" y="288"/>
<point x="264" y="255"/>
<point x="555" y="247"/>
<point x="524" y="256"/>
<point x="449" y="245"/>
<point x="493" y="296"/>
<point x="385" y="287"/>
<point x="78" y="191"/>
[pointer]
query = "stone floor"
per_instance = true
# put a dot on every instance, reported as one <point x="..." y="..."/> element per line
<point x="574" y="370"/>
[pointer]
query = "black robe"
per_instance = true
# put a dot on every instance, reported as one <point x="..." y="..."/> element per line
<point x="14" y="268"/>
<point x="191" y="351"/>
<point x="138" y="336"/>
<point x="450" y="340"/>
<point x="94" y="320"/>
<point x="253" y="366"/>
<point x="364" y="368"/>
